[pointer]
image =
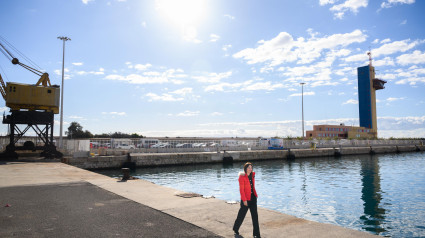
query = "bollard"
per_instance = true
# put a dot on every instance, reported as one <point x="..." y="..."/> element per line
<point x="337" y="152"/>
<point x="126" y="174"/>
<point x="291" y="155"/>
<point x="371" y="152"/>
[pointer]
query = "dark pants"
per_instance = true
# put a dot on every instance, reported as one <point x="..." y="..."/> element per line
<point x="252" y="205"/>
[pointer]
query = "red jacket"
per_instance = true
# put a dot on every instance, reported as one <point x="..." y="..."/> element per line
<point x="245" y="186"/>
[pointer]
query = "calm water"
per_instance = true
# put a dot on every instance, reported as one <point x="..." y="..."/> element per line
<point x="380" y="194"/>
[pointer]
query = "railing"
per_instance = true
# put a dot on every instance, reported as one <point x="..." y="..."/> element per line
<point x="176" y="145"/>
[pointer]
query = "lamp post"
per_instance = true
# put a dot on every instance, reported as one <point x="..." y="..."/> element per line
<point x="302" y="106"/>
<point x="63" y="38"/>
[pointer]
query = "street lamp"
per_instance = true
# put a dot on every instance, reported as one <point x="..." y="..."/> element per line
<point x="302" y="106"/>
<point x="63" y="38"/>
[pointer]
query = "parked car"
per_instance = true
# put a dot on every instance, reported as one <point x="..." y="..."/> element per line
<point x="160" y="145"/>
<point x="125" y="146"/>
<point x="184" y="145"/>
<point x="198" y="145"/>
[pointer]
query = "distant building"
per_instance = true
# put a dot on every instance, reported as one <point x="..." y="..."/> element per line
<point x="341" y="132"/>
<point x="367" y="86"/>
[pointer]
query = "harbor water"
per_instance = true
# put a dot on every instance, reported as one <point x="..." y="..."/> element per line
<point x="380" y="194"/>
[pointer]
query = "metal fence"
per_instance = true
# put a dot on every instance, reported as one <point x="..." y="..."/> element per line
<point x="109" y="146"/>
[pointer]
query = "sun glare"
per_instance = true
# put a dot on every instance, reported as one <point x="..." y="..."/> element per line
<point x="182" y="12"/>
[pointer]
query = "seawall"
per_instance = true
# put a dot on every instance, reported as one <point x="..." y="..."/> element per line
<point x="169" y="159"/>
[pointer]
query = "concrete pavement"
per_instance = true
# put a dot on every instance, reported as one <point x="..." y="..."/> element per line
<point x="212" y="216"/>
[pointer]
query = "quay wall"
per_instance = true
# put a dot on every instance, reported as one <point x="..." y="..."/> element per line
<point x="169" y="159"/>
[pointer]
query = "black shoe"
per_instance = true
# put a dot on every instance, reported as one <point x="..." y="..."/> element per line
<point x="236" y="232"/>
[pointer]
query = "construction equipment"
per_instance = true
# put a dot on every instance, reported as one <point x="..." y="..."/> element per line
<point x="33" y="105"/>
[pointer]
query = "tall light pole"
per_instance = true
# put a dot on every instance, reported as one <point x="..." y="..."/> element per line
<point x="63" y="38"/>
<point x="302" y="106"/>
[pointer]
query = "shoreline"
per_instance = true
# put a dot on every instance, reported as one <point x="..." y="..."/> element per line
<point x="140" y="160"/>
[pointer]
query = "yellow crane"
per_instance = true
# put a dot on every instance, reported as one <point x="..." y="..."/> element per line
<point x="39" y="96"/>
<point x="32" y="105"/>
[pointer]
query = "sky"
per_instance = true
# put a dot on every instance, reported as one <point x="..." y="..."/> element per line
<point x="221" y="68"/>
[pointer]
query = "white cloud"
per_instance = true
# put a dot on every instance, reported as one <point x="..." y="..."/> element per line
<point x="300" y="94"/>
<point x="115" y="113"/>
<point x="249" y="85"/>
<point x="221" y="87"/>
<point x="183" y="91"/>
<point x="76" y="117"/>
<point x="212" y="77"/>
<point x="214" y="37"/>
<point x="142" y="67"/>
<point x="324" y="2"/>
<point x="216" y="114"/>
<point x="391" y="3"/>
<point x="164" y="97"/>
<point x="188" y="114"/>
<point x="144" y="25"/>
<point x="385" y="41"/>
<point x="390" y="99"/>
<point x="411" y="81"/>
<point x="226" y="47"/>
<point x="413" y="58"/>
<point x="137" y="79"/>
<point x="59" y="71"/>
<point x="229" y="17"/>
<point x="349" y="5"/>
<point x="386" y="49"/>
<point x="351" y="101"/>
<point x="87" y="1"/>
<point x="99" y="72"/>
<point x="283" y="48"/>
<point x="267" y="86"/>
<point x="151" y="77"/>
<point x="403" y="22"/>
<point x="384" y="62"/>
<point x="78" y="63"/>
<point x="394" y="47"/>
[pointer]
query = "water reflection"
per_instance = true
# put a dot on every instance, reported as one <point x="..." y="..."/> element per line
<point x="374" y="215"/>
<point x="380" y="194"/>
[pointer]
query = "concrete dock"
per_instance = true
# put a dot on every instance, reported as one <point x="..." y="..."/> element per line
<point x="172" y="159"/>
<point x="39" y="199"/>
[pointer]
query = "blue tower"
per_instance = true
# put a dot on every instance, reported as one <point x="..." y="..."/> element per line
<point x="367" y="86"/>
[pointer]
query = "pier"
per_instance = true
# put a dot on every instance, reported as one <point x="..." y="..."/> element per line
<point x="83" y="203"/>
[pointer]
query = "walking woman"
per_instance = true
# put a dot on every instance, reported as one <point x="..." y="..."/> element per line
<point x="248" y="200"/>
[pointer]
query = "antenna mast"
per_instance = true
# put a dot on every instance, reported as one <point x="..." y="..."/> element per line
<point x="370" y="57"/>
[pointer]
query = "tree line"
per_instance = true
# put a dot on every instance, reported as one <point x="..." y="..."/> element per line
<point x="75" y="131"/>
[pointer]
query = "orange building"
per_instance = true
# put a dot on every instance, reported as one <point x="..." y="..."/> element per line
<point x="341" y="132"/>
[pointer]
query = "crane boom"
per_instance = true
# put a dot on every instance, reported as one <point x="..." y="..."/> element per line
<point x="18" y="96"/>
<point x="44" y="77"/>
<point x="2" y="88"/>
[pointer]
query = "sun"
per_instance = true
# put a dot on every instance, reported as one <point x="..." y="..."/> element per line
<point x="182" y="12"/>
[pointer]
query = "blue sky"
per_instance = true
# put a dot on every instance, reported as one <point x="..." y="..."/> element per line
<point x="222" y="67"/>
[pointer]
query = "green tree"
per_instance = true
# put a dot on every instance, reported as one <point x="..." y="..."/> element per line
<point x="75" y="130"/>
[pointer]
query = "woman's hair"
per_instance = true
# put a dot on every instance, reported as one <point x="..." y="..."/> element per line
<point x="245" y="167"/>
